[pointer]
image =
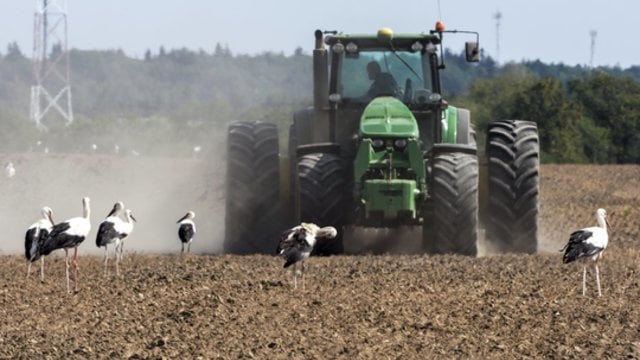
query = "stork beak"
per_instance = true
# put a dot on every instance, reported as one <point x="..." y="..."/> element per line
<point x="182" y="218"/>
<point x="606" y="220"/>
<point x="50" y="218"/>
<point x="132" y="218"/>
<point x="113" y="211"/>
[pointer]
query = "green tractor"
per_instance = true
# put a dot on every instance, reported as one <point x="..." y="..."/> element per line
<point x="381" y="148"/>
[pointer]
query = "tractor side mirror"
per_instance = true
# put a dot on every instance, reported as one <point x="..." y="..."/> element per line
<point x="471" y="51"/>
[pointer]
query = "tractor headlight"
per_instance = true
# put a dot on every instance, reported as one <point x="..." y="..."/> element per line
<point x="338" y="48"/>
<point x="377" y="144"/>
<point x="352" y="47"/>
<point x="417" y="46"/>
<point x="434" y="97"/>
<point x="400" y="144"/>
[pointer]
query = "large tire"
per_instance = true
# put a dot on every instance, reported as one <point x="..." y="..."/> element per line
<point x="452" y="210"/>
<point x="252" y="222"/>
<point x="513" y="161"/>
<point x="322" y="201"/>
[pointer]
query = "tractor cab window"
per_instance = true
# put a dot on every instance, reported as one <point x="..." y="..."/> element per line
<point x="383" y="73"/>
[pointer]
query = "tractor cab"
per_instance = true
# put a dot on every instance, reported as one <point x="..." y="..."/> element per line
<point x="358" y="68"/>
<point x="405" y="66"/>
<point x="364" y="67"/>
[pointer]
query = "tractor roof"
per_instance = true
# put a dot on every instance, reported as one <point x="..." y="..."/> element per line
<point x="382" y="39"/>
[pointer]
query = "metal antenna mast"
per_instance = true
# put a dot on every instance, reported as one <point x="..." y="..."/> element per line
<point x="497" y="17"/>
<point x="51" y="89"/>
<point x="593" y="35"/>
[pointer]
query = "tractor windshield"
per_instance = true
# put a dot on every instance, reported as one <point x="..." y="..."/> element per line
<point x="370" y="74"/>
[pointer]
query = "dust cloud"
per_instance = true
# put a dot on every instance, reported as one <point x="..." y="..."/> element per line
<point x="159" y="190"/>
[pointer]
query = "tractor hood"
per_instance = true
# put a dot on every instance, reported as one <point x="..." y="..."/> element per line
<point x="388" y="117"/>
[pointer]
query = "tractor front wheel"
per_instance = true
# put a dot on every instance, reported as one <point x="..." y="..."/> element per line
<point x="321" y="184"/>
<point x="452" y="210"/>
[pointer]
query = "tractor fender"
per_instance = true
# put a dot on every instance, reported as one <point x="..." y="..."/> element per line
<point x="464" y="129"/>
<point x="459" y="148"/>
<point x="457" y="127"/>
<point x="323" y="148"/>
<point x="302" y="127"/>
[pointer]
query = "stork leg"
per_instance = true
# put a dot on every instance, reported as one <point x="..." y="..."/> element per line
<point x="66" y="265"/>
<point x="106" y="259"/>
<point x="189" y="248"/>
<point x="598" y="279"/>
<point x="117" y="253"/>
<point x="182" y="251"/>
<point x="117" y="262"/>
<point x="28" y="268"/>
<point x="76" y="269"/>
<point x="302" y="273"/>
<point x="295" y="276"/>
<point x="42" y="269"/>
<point x="584" y="280"/>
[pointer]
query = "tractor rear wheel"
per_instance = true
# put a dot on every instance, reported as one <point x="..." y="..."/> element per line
<point x="252" y="189"/>
<point x="321" y="184"/>
<point x="451" y="224"/>
<point x="512" y="210"/>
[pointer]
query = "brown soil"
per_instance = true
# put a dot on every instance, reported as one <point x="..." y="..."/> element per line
<point x="405" y="306"/>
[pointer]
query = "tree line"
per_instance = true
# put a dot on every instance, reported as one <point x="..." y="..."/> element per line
<point x="183" y="97"/>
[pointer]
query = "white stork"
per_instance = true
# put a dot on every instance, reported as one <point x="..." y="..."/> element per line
<point x="588" y="243"/>
<point x="35" y="237"/>
<point x="186" y="230"/>
<point x="125" y="230"/>
<point x="67" y="235"/>
<point x="108" y="234"/>
<point x="9" y="170"/>
<point x="297" y="243"/>
<point x="196" y="151"/>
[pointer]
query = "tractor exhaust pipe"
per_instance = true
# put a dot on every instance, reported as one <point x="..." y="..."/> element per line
<point x="320" y="88"/>
<point x="320" y="73"/>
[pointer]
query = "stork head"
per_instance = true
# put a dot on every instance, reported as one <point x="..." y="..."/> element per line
<point x="327" y="232"/>
<point x="189" y="215"/>
<point x="603" y="220"/>
<point x="47" y="213"/>
<point x="85" y="207"/>
<point x="129" y="214"/>
<point x="117" y="207"/>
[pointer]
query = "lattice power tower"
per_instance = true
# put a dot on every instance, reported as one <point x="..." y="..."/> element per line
<point x="497" y="17"/>
<point x="51" y="90"/>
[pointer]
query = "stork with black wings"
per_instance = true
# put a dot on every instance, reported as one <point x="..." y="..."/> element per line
<point x="68" y="235"/>
<point x="588" y="244"/>
<point x="297" y="243"/>
<point x="34" y="238"/>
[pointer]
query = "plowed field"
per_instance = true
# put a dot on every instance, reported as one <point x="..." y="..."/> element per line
<point x="403" y="306"/>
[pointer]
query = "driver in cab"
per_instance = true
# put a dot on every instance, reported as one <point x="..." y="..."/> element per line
<point x="383" y="82"/>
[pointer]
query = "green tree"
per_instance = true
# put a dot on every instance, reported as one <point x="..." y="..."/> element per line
<point x="614" y="104"/>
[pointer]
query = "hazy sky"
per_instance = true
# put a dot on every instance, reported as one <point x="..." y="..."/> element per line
<point x="550" y="30"/>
